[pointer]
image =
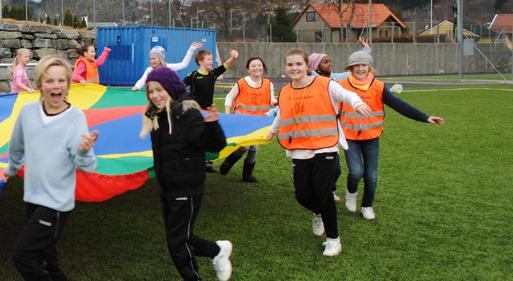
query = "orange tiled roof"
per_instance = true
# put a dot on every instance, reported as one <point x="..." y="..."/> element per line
<point x="329" y="13"/>
<point x="502" y="23"/>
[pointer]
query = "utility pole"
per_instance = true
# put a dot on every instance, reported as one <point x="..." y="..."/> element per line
<point x="26" y="10"/>
<point x="431" y="21"/>
<point x="370" y="22"/>
<point x="459" y="6"/>
<point x="169" y="13"/>
<point x="94" y="13"/>
<point x="123" y="18"/>
<point x="151" y="12"/>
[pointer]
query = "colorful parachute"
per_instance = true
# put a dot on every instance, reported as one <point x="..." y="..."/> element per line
<point x="124" y="160"/>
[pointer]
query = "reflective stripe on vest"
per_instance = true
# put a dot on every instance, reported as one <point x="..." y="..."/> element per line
<point x="91" y="74"/>
<point x="307" y="117"/>
<point x="352" y="115"/>
<point x="308" y="133"/>
<point x="366" y="126"/>
<point x="357" y="126"/>
<point x="253" y="101"/>
<point x="253" y="108"/>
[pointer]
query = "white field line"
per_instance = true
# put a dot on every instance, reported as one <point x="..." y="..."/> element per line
<point x="456" y="89"/>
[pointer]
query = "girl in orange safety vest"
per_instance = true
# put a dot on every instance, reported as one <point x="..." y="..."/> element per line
<point x="251" y="95"/>
<point x="307" y="128"/>
<point x="85" y="69"/>
<point x="362" y="132"/>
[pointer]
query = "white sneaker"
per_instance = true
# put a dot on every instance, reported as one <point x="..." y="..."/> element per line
<point x="317" y="225"/>
<point x="221" y="262"/>
<point x="336" y="198"/>
<point x="351" y="201"/>
<point x="332" y="247"/>
<point x="368" y="213"/>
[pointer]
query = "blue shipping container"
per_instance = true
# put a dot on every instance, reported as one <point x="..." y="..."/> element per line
<point x="131" y="46"/>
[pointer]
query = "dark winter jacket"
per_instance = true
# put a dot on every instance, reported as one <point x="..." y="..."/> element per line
<point x="179" y="157"/>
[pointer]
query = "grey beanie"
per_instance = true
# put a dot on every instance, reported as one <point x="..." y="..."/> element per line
<point x="359" y="57"/>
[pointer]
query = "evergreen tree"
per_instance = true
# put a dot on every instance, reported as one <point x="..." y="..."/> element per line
<point x="68" y="18"/>
<point x="282" y="26"/>
<point x="55" y="22"/>
<point x="48" y="19"/>
<point x="83" y="23"/>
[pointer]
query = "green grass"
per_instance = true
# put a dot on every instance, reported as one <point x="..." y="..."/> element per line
<point x="448" y="78"/>
<point x="443" y="210"/>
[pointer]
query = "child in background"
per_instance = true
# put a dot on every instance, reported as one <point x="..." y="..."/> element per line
<point x="307" y="127"/>
<point x="201" y="83"/>
<point x="252" y="95"/>
<point x="51" y="138"/>
<point x="85" y="69"/>
<point x="319" y="64"/>
<point x="180" y="135"/>
<point x="362" y="132"/>
<point x="19" y="77"/>
<point x="157" y="55"/>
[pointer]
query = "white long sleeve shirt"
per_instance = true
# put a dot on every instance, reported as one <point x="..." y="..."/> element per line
<point x="337" y="95"/>
<point x="173" y="66"/>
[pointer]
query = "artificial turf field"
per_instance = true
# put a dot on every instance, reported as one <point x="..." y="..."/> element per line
<point x="443" y="205"/>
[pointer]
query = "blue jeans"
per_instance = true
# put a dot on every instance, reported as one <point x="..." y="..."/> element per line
<point x="362" y="162"/>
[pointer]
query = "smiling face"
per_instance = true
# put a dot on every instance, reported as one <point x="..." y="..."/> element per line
<point x="360" y="71"/>
<point x="206" y="62"/>
<point x="54" y="89"/>
<point x="157" y="94"/>
<point x="296" y="67"/>
<point x="255" y="68"/>
<point x="154" y="61"/>
<point x="90" y="54"/>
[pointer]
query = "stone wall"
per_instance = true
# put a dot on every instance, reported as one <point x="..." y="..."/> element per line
<point x="41" y="40"/>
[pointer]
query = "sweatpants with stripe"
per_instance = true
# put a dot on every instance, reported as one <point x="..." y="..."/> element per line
<point x="184" y="246"/>
<point x="35" y="255"/>
<point x="313" y="182"/>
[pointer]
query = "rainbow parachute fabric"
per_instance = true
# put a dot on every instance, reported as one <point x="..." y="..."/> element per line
<point x="124" y="160"/>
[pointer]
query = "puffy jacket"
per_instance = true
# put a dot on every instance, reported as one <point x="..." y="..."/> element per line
<point x="179" y="157"/>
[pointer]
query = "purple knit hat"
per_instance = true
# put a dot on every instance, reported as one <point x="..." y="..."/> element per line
<point x="169" y="80"/>
<point x="315" y="59"/>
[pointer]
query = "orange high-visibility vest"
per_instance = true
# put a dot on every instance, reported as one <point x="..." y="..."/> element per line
<point x="91" y="75"/>
<point x="355" y="125"/>
<point x="307" y="117"/>
<point x="253" y="101"/>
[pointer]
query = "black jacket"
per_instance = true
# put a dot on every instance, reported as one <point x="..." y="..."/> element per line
<point x="179" y="158"/>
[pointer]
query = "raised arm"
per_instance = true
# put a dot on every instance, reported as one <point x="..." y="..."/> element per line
<point x="103" y="57"/>
<point x="186" y="59"/>
<point x="233" y="58"/>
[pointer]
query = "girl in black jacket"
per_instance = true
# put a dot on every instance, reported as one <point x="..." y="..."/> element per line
<point x="180" y="135"/>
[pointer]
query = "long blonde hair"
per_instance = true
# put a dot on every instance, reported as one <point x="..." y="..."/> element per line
<point x="16" y="59"/>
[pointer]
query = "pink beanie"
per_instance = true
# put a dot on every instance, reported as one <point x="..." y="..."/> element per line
<point x="315" y="59"/>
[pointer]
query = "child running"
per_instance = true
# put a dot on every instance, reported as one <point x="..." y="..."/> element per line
<point x="157" y="59"/>
<point x="51" y="138"/>
<point x="201" y="83"/>
<point x="252" y="95"/>
<point x="362" y="132"/>
<point x="85" y="69"/>
<point x="307" y="128"/>
<point x="180" y="135"/>
<point x="19" y="77"/>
